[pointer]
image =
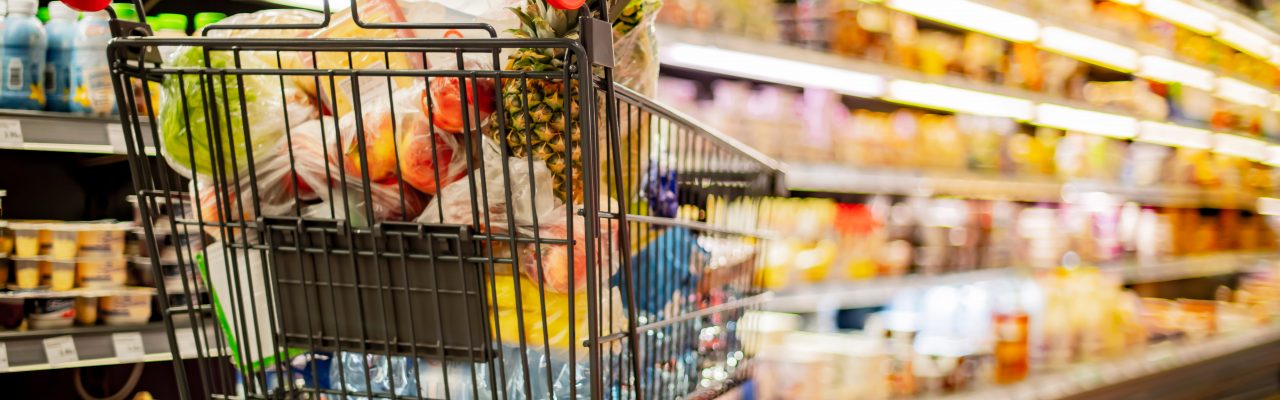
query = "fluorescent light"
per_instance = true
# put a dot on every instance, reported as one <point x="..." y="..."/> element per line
<point x="972" y="16"/>
<point x="958" y="100"/>
<point x="1244" y="40"/>
<point x="1166" y="70"/>
<point x="1273" y="156"/>
<point x="1174" y="135"/>
<point x="772" y="69"/>
<point x="1239" y="146"/>
<point x="1074" y="119"/>
<point x="318" y="5"/>
<point x="1268" y="206"/>
<point x="1183" y="14"/>
<point x="1089" y="48"/>
<point x="1243" y="93"/>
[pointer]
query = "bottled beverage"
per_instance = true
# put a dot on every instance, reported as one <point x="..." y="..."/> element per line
<point x="23" y="58"/>
<point x="92" y="92"/>
<point x="205" y="19"/>
<point x="61" y="30"/>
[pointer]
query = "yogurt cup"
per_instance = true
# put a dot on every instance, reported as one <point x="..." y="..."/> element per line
<point x="26" y="238"/>
<point x="64" y="241"/>
<point x="50" y="313"/>
<point x="96" y="272"/>
<point x="87" y="310"/>
<point x="62" y="274"/>
<point x="26" y="272"/>
<point x="97" y="240"/>
<point x="125" y="309"/>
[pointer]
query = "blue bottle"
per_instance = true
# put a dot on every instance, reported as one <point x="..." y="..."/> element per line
<point x="23" y="57"/>
<point x="61" y="30"/>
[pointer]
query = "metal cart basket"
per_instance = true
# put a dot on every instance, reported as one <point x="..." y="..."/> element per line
<point x="396" y="217"/>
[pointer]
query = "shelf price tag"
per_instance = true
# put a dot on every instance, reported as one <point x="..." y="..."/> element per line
<point x="4" y="358"/>
<point x="128" y="346"/>
<point x="10" y="133"/>
<point x="60" y="350"/>
<point x="115" y="136"/>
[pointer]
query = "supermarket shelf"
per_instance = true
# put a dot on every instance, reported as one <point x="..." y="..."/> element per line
<point x="53" y="131"/>
<point x="842" y="179"/>
<point x="736" y="56"/>
<point x="876" y="292"/>
<point x="1167" y="370"/>
<point x="26" y="351"/>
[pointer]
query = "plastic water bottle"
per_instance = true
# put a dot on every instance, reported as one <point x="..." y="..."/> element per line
<point x="91" y="90"/>
<point x="57" y="70"/>
<point x="23" y="58"/>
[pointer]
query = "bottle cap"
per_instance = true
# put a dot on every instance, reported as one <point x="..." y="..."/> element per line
<point x="42" y="14"/>
<point x="23" y="7"/>
<point x="206" y="18"/>
<point x="171" y="22"/>
<point x="124" y="11"/>
<point x="58" y="10"/>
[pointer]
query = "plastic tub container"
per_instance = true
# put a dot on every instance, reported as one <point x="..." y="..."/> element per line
<point x="26" y="238"/>
<point x="101" y="272"/>
<point x="64" y="241"/>
<point x="62" y="274"/>
<point x="50" y="313"/>
<point x="96" y="240"/>
<point x="11" y="313"/>
<point x="87" y="310"/>
<point x="26" y="272"/>
<point x="140" y="272"/>
<point x="125" y="309"/>
<point x="6" y="238"/>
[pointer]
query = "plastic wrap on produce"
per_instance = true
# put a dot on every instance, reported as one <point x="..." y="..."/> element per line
<point x="339" y="94"/>
<point x="253" y="110"/>
<point x="531" y="194"/>
<point x="635" y="46"/>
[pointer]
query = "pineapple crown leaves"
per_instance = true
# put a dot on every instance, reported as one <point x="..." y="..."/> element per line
<point x="539" y="20"/>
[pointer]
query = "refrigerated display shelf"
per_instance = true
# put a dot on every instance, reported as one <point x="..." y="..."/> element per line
<point x="1182" y="370"/>
<point x="54" y="131"/>
<point x="832" y="178"/>
<point x="875" y="292"/>
<point x="94" y="346"/>
<point x="745" y="58"/>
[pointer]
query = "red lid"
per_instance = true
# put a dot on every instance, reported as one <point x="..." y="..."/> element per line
<point x="87" y="5"/>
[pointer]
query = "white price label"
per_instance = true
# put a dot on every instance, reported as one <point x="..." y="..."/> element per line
<point x="128" y="346"/>
<point x="4" y="358"/>
<point x="60" y="350"/>
<point x="115" y="136"/>
<point x="186" y="339"/>
<point x="10" y="133"/>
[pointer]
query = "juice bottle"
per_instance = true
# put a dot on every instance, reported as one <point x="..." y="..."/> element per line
<point x="205" y="19"/>
<point x="23" y="58"/>
<point x="61" y="30"/>
<point x="92" y="92"/>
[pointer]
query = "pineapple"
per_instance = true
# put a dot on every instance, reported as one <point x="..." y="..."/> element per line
<point x="632" y="13"/>
<point x="535" y="107"/>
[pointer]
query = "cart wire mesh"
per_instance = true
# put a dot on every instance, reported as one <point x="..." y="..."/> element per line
<point x="565" y="237"/>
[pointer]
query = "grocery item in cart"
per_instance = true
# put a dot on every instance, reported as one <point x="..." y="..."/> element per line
<point x="253" y="108"/>
<point x="523" y="311"/>
<point x="635" y="46"/>
<point x="342" y="25"/>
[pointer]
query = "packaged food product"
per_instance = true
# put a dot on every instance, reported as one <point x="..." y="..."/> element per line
<point x="87" y="310"/>
<point x="343" y="26"/>
<point x="554" y="329"/>
<point x="6" y="238"/>
<point x="64" y="241"/>
<point x="62" y="274"/>
<point x="26" y="238"/>
<point x="183" y="102"/>
<point x="101" y="239"/>
<point x="26" y="272"/>
<point x="50" y="313"/>
<point x="100" y="272"/>
<point x="125" y="309"/>
<point x="11" y="313"/>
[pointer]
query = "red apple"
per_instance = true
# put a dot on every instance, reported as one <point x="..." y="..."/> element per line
<point x="445" y="103"/>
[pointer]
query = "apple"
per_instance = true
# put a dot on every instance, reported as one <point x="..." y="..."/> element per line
<point x="379" y="146"/>
<point x="555" y="259"/>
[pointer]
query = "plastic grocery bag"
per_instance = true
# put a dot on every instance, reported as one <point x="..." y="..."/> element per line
<point x="342" y="26"/>
<point x="550" y="329"/>
<point x="496" y="13"/>
<point x="252" y="109"/>
<point x="662" y="270"/>
<point x="560" y="267"/>
<point x="231" y="198"/>
<point x="531" y="194"/>
<point x="635" y="47"/>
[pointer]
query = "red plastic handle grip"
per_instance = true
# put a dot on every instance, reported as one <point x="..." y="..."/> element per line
<point x="87" y="5"/>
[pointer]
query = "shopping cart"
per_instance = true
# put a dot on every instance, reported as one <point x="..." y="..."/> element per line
<point x="605" y="250"/>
